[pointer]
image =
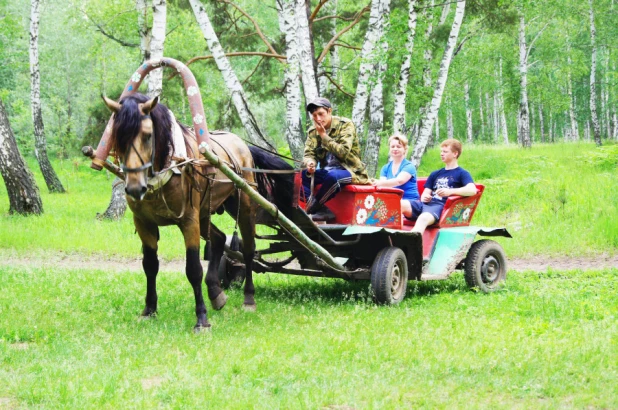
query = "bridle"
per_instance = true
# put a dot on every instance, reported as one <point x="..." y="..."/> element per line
<point x="145" y="165"/>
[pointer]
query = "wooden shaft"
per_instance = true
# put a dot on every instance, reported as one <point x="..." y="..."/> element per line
<point x="271" y="209"/>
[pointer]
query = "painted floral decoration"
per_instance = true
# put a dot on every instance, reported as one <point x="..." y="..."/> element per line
<point x="136" y="77"/>
<point x="198" y="119"/>
<point x="361" y="216"/>
<point x="369" y="201"/>
<point x="191" y="91"/>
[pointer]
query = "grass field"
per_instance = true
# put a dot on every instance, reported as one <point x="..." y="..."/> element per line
<point x="71" y="338"/>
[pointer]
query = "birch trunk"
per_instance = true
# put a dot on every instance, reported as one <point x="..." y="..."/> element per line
<point x="593" y="90"/>
<point x="293" y="123"/>
<point x="40" y="143"/>
<point x="145" y="34"/>
<point x="159" y="17"/>
<point x="330" y="9"/>
<point x="306" y="54"/>
<point x="399" y="111"/>
<point x="229" y="77"/>
<point x="532" y="122"/>
<point x="450" y="130"/>
<point x="432" y="113"/>
<point x="606" y="99"/>
<point x="445" y="10"/>
<point x="541" y="123"/>
<point x="496" y="118"/>
<point x="376" y="97"/>
<point x="428" y="56"/>
<point x="482" y="116"/>
<point x="524" y="119"/>
<point x="468" y="113"/>
<point x="551" y="126"/>
<point x="504" y="129"/>
<point x="572" y="117"/>
<point x="20" y="185"/>
<point x="489" y="116"/>
<point x="373" y="36"/>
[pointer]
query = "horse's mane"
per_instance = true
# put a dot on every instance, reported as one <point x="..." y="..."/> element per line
<point x="127" y="124"/>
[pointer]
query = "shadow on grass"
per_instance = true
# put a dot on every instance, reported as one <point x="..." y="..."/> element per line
<point x="336" y="291"/>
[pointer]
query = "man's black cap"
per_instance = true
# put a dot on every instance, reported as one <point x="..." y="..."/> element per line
<point x="317" y="103"/>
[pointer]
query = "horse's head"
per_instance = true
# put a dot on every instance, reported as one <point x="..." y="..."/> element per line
<point x="133" y="138"/>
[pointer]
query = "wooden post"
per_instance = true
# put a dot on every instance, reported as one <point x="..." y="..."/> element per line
<point x="271" y="209"/>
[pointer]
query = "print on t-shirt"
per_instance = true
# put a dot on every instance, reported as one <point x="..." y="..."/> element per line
<point x="440" y="183"/>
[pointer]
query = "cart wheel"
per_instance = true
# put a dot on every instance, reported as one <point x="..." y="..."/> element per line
<point x="230" y="273"/>
<point x="389" y="276"/>
<point x="485" y="265"/>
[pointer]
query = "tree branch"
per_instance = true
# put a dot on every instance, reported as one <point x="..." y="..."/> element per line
<point x="253" y="72"/>
<point x="257" y="28"/>
<point x="334" y="17"/>
<point x="235" y="54"/>
<point x="317" y="9"/>
<point x="325" y="74"/>
<point x="106" y="34"/>
<point x="347" y="46"/>
<point x="342" y="32"/>
<point x="462" y="42"/>
<point x="535" y="39"/>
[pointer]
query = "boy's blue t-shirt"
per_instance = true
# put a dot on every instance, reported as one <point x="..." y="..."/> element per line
<point x="451" y="178"/>
<point x="410" y="190"/>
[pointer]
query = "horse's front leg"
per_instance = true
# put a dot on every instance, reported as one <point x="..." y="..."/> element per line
<point x="149" y="234"/>
<point x="217" y="296"/>
<point x="246" y="223"/>
<point x="191" y="232"/>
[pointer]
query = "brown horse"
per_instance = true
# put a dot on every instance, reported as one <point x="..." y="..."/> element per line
<point x="143" y="138"/>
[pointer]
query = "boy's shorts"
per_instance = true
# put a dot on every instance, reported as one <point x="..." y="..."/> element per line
<point x="434" y="207"/>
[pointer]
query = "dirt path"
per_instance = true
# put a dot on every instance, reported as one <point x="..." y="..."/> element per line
<point x="63" y="261"/>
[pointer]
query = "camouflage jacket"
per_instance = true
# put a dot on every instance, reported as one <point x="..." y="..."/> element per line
<point x="343" y="143"/>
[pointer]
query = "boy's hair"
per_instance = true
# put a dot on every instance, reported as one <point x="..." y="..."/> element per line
<point x="454" y="145"/>
<point x="401" y="139"/>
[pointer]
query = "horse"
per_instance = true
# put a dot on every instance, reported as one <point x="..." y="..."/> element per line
<point x="145" y="138"/>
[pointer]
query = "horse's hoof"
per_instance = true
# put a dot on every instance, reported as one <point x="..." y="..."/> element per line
<point x="201" y="328"/>
<point x="249" y="308"/>
<point x="219" y="301"/>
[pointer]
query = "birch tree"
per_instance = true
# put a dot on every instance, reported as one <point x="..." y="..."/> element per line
<point x="572" y="117"/>
<point x="306" y="54"/>
<point x="376" y="97"/>
<point x="234" y="86"/>
<point x="430" y="116"/>
<point x="159" y="18"/>
<point x="468" y="112"/>
<point x="40" y="142"/>
<point x="505" y="132"/>
<point x="593" y="68"/>
<point x="373" y="36"/>
<point x="293" y="123"/>
<point x="399" y="110"/>
<point x="20" y="185"/>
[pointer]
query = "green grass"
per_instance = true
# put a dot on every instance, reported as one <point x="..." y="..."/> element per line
<point x="72" y="339"/>
<point x="558" y="199"/>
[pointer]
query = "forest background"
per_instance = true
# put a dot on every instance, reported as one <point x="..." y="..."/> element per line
<point x="494" y="85"/>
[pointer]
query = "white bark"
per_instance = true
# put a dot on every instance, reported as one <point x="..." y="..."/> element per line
<point x="399" y="110"/>
<point x="40" y="143"/>
<point x="496" y="118"/>
<point x="293" y="98"/>
<point x="524" y="119"/>
<point x="229" y="77"/>
<point x="504" y="128"/>
<point x="432" y="113"/>
<point x="468" y="113"/>
<point x="307" y="59"/>
<point x="445" y="10"/>
<point x="145" y="34"/>
<point x="574" y="128"/>
<point x="551" y="126"/>
<point x="450" y="129"/>
<point x="376" y="97"/>
<point x="159" y="17"/>
<point x="329" y="9"/>
<point x="593" y="69"/>
<point x="482" y="116"/>
<point x="373" y="36"/>
<point x="541" y="123"/>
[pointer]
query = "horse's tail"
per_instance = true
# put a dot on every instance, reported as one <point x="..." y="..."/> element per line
<point x="277" y="188"/>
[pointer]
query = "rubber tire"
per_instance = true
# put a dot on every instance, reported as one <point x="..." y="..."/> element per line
<point x="228" y="275"/>
<point x="485" y="266"/>
<point x="389" y="276"/>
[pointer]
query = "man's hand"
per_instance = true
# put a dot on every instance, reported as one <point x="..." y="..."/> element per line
<point x="310" y="166"/>
<point x="320" y="129"/>
<point x="444" y="192"/>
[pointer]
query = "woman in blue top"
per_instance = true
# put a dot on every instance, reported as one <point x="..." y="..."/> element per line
<point x="399" y="173"/>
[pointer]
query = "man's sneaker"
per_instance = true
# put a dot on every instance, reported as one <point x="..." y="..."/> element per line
<point x="324" y="214"/>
